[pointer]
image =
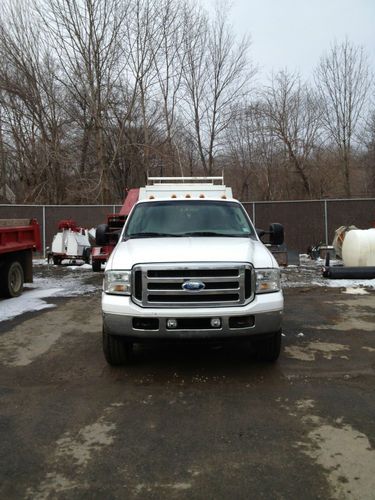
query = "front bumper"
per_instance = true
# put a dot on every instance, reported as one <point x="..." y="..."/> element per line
<point x="264" y="313"/>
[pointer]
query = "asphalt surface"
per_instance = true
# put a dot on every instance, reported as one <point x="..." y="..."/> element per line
<point x="190" y="422"/>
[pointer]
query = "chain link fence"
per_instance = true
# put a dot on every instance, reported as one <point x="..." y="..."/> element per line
<point x="306" y="223"/>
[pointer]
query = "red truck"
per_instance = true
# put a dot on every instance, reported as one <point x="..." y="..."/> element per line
<point x="107" y="234"/>
<point x="18" y="239"/>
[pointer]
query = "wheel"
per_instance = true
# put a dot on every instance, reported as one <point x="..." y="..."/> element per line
<point x="96" y="265"/>
<point x="101" y="236"/>
<point x="11" y="279"/>
<point x="116" y="350"/>
<point x="86" y="255"/>
<point x="269" y="349"/>
<point x="56" y="260"/>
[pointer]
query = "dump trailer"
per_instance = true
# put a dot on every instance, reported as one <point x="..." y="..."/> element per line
<point x="19" y="238"/>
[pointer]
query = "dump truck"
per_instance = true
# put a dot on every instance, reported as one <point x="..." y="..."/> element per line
<point x="19" y="238"/>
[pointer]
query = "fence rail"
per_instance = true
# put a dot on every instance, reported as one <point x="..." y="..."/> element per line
<point x="305" y="222"/>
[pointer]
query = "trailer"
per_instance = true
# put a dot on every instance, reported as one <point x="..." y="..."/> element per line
<point x="19" y="238"/>
<point x="71" y="242"/>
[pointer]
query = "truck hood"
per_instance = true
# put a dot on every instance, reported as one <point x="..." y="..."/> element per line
<point x="190" y="249"/>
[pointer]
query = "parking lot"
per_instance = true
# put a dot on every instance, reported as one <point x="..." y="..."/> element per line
<point x="187" y="421"/>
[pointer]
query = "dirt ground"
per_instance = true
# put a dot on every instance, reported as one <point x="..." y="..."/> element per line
<point x="194" y="422"/>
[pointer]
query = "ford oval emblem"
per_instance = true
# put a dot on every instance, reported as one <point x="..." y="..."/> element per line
<point x="193" y="286"/>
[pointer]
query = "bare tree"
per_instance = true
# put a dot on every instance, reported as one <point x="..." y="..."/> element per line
<point x="169" y="59"/>
<point x="294" y="116"/>
<point x="30" y="97"/>
<point x="342" y="80"/>
<point x="86" y="35"/>
<point x="216" y="77"/>
<point x="254" y="151"/>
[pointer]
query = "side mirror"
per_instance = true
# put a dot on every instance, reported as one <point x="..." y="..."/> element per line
<point x="260" y="232"/>
<point x="276" y="233"/>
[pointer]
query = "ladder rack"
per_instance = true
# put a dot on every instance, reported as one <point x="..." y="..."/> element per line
<point x="183" y="180"/>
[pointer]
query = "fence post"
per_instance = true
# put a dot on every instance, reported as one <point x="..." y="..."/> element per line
<point x="44" y="231"/>
<point x="326" y="220"/>
<point x="254" y="213"/>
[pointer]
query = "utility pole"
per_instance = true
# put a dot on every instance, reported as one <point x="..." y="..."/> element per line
<point x="3" y="183"/>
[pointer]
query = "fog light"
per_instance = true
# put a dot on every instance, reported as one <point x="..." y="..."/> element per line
<point x="215" y="322"/>
<point x="172" y="323"/>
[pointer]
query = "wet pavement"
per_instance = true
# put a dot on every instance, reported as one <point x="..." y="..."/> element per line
<point x="193" y="421"/>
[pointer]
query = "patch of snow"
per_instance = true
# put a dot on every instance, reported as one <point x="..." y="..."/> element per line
<point x="309" y="275"/>
<point x="84" y="266"/>
<point x="350" y="283"/>
<point x="356" y="291"/>
<point x="35" y="294"/>
<point x="30" y="300"/>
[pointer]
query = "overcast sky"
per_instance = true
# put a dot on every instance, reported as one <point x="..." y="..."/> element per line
<point x="295" y="33"/>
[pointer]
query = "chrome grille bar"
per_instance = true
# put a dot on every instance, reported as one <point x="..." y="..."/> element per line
<point x="228" y="277"/>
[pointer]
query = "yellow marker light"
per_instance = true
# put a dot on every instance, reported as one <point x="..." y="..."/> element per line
<point x="173" y="196"/>
<point x="201" y="195"/>
<point x="187" y="196"/>
<point x="151" y="197"/>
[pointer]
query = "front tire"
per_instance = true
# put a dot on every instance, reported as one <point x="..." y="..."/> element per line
<point x="268" y="349"/>
<point x="116" y="350"/>
<point x="12" y="279"/>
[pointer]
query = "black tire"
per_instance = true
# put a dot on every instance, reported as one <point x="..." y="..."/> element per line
<point x="96" y="265"/>
<point x="268" y="349"/>
<point x="101" y="236"/>
<point x="11" y="279"/>
<point x="116" y="350"/>
<point x="86" y="255"/>
<point x="56" y="260"/>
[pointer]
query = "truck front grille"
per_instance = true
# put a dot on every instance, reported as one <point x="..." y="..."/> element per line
<point x="223" y="284"/>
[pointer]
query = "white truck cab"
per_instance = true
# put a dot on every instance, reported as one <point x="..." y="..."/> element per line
<point x="189" y="264"/>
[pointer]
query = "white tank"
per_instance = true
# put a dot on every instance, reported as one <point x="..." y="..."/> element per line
<point x="358" y="248"/>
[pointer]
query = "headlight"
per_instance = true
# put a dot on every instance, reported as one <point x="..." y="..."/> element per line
<point x="117" y="282"/>
<point x="268" y="280"/>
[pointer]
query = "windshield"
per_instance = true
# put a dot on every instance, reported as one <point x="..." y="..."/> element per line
<point x="188" y="218"/>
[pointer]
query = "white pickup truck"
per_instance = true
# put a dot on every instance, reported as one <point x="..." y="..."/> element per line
<point x="190" y="265"/>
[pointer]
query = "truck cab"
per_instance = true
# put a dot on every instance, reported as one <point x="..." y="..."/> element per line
<point x="190" y="265"/>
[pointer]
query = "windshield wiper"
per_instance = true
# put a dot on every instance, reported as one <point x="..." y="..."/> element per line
<point x="150" y="235"/>
<point x="213" y="233"/>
